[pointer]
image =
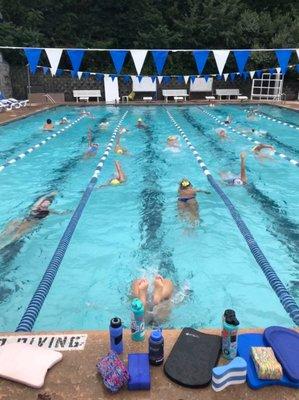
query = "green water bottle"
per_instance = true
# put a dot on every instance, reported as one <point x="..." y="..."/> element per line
<point x="137" y="320"/>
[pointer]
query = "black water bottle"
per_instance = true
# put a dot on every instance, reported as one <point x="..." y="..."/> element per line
<point x="156" y="347"/>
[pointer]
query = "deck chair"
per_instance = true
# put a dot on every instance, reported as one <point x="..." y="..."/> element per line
<point x="10" y="105"/>
<point x="22" y="103"/>
<point x="131" y="96"/>
<point x="7" y="106"/>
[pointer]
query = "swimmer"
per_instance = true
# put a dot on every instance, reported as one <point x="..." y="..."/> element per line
<point x="123" y="130"/>
<point x="163" y="290"/>
<point x="15" y="230"/>
<point x="236" y="180"/>
<point x="173" y="142"/>
<point x="49" y="126"/>
<point x="64" y="121"/>
<point x="258" y="150"/>
<point x="251" y="115"/>
<point x="87" y="113"/>
<point x="187" y="203"/>
<point x="222" y="134"/>
<point x="228" y="120"/>
<point x="118" y="148"/>
<point x="92" y="147"/>
<point x="118" y="179"/>
<point x="103" y="125"/>
<point x="140" y="124"/>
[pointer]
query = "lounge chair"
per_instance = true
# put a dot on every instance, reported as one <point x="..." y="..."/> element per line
<point x="7" y="105"/>
<point x="131" y="96"/>
<point x="23" y="103"/>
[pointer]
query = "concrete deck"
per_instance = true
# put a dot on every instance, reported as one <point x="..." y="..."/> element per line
<point x="76" y="378"/>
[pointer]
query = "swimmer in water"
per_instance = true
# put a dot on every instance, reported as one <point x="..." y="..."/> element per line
<point x="173" y="142"/>
<point x="258" y="151"/>
<point x="92" y="147"/>
<point x="49" y="126"/>
<point x="118" y="179"/>
<point x="140" y="124"/>
<point x="222" y="134"/>
<point x="251" y="115"/>
<point x="63" y="121"/>
<point x="103" y="125"/>
<point x="15" y="230"/>
<point x="228" y="120"/>
<point x="187" y="203"/>
<point x="118" y="148"/>
<point x="163" y="289"/>
<point x="233" y="179"/>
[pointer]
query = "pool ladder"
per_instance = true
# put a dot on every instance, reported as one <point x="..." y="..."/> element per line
<point x="49" y="98"/>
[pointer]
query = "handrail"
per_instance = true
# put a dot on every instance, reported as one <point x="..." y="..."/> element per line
<point x="50" y="98"/>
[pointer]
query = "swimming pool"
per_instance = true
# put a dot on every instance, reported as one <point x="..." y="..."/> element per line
<point x="133" y="230"/>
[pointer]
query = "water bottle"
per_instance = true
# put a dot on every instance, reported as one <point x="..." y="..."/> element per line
<point x="116" y="335"/>
<point x="230" y="334"/>
<point x="137" y="320"/>
<point x="156" y="347"/>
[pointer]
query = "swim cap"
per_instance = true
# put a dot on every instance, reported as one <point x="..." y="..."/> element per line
<point x="114" y="182"/>
<point x="185" y="183"/>
<point x="171" y="138"/>
<point x="139" y="120"/>
<point x="119" y="151"/>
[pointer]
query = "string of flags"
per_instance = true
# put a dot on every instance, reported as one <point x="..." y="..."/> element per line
<point x="159" y="57"/>
<point x="165" y="79"/>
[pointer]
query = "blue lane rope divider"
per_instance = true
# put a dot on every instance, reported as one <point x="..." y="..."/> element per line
<point x="281" y="155"/>
<point x="295" y="126"/>
<point x="281" y="291"/>
<point x="38" y="145"/>
<point x="29" y="317"/>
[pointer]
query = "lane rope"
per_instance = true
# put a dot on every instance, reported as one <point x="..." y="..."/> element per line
<point x="249" y="138"/>
<point x="279" y="121"/>
<point x="38" y="145"/>
<point x="29" y="317"/>
<point x="281" y="291"/>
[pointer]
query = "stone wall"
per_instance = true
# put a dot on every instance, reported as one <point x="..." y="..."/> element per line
<point x="39" y="83"/>
<point x="5" y="82"/>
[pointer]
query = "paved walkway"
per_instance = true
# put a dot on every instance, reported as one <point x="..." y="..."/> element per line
<point x="76" y="378"/>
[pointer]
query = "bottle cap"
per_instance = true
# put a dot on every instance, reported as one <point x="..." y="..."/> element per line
<point x="115" y="322"/>
<point x="137" y="304"/>
<point x="156" y="335"/>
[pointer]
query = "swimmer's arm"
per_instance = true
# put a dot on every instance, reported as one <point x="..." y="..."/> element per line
<point x="65" y="212"/>
<point x="202" y="191"/>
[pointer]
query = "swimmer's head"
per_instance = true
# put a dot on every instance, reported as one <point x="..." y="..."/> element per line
<point x="49" y="121"/>
<point x="114" y="182"/>
<point x="119" y="151"/>
<point x="252" y="130"/>
<point x="95" y="145"/>
<point x="185" y="183"/>
<point x="139" y="120"/>
<point x="171" y="138"/>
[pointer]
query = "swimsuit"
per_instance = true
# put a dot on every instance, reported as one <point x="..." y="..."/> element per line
<point x="185" y="199"/>
<point x="92" y="149"/>
<point x="37" y="214"/>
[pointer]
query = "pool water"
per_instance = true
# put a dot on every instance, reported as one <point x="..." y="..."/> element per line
<point x="134" y="230"/>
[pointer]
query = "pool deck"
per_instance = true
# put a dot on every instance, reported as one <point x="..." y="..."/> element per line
<point x="76" y="378"/>
<point x="8" y="116"/>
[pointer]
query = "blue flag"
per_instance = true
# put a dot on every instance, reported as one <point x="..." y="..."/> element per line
<point x="192" y="78"/>
<point x="112" y="76"/>
<point x="258" y="73"/>
<point x="85" y="75"/>
<point x="206" y="77"/>
<point x="33" y="56"/>
<point x="241" y="57"/>
<point x="219" y="77"/>
<point x="159" y="59"/>
<point x="153" y="78"/>
<point x="59" y="72"/>
<point x="74" y="74"/>
<point x="283" y="57"/>
<point x="232" y="76"/>
<point x="118" y="58"/>
<point x="200" y="57"/>
<point x="126" y="78"/>
<point x="180" y="79"/>
<point x="99" y="77"/>
<point x="245" y="75"/>
<point x="76" y="58"/>
<point x="166" y="79"/>
<point x="139" y="78"/>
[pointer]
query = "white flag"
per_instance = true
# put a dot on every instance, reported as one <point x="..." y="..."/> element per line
<point x="80" y="74"/>
<point x="220" y="58"/>
<point x="160" y="78"/>
<point x="251" y="73"/>
<point x="138" y="58"/>
<point x="225" y="77"/>
<point x="186" y="79"/>
<point x="54" y="56"/>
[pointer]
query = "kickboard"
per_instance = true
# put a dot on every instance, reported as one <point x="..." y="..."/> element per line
<point x="192" y="358"/>
<point x="285" y="344"/>
<point x="245" y="342"/>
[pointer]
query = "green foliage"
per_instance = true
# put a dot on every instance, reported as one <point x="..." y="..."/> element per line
<point x="174" y="24"/>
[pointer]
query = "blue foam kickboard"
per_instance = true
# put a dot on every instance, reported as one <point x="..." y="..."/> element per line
<point x="285" y="344"/>
<point x="139" y="371"/>
<point x="230" y="374"/>
<point x="245" y="342"/>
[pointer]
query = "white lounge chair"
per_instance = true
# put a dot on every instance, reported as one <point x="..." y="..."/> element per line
<point x="23" y="103"/>
<point x="10" y="105"/>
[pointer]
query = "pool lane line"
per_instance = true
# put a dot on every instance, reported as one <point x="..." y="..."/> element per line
<point x="282" y="228"/>
<point x="281" y="291"/>
<point x="279" y="121"/>
<point x="29" y="317"/>
<point x="228" y="127"/>
<point x="38" y="145"/>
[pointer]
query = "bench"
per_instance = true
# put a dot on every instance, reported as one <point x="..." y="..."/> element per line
<point x="178" y="98"/>
<point x="174" y="93"/>
<point x="86" y="94"/>
<point x="228" y="93"/>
